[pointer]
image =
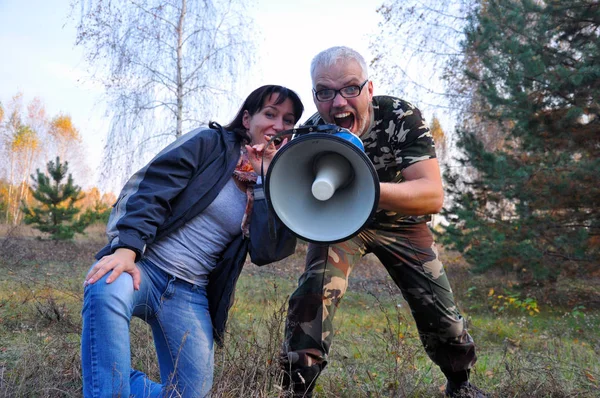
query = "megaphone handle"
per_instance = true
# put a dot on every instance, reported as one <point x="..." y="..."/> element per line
<point x="271" y="224"/>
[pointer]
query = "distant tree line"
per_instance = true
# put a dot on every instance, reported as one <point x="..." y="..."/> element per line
<point x="29" y="139"/>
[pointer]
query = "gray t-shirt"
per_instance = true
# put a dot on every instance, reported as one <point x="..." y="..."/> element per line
<point x="192" y="251"/>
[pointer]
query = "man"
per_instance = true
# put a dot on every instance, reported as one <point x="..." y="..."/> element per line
<point x="400" y="145"/>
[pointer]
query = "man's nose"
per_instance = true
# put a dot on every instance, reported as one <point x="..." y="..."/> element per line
<point x="338" y="100"/>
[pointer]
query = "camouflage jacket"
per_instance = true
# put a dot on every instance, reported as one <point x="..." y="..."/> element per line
<point x="397" y="138"/>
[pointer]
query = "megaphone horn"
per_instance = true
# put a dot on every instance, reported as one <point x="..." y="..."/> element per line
<point x="322" y="186"/>
<point x="332" y="171"/>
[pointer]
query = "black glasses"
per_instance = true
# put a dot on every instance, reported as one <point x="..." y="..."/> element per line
<point x="327" y="94"/>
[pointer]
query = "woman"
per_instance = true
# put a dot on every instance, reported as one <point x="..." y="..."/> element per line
<point x="178" y="238"/>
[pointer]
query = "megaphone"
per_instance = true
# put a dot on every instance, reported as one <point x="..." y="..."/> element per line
<point x="321" y="185"/>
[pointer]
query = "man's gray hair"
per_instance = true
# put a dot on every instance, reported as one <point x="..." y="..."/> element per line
<point x="332" y="55"/>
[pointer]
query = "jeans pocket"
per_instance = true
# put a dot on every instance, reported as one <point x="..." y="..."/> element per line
<point x="169" y="289"/>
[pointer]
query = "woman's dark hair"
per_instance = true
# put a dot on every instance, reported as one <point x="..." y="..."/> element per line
<point x="256" y="101"/>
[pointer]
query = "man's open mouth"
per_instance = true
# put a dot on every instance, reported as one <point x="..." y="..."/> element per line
<point x="344" y="119"/>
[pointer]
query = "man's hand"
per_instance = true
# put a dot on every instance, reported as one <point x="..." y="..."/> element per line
<point x="122" y="260"/>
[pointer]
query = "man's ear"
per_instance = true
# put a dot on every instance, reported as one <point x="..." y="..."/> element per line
<point x="246" y="120"/>
<point x="370" y="88"/>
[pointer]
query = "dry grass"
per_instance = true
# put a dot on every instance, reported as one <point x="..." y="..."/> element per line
<point x="376" y="352"/>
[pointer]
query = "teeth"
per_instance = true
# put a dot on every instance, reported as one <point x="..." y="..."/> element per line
<point x="341" y="115"/>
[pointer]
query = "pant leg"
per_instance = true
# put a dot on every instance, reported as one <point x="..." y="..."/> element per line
<point x="105" y="346"/>
<point x="183" y="336"/>
<point x="309" y="327"/>
<point x="411" y="258"/>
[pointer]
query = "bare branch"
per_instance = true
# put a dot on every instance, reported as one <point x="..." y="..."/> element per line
<point x="165" y="64"/>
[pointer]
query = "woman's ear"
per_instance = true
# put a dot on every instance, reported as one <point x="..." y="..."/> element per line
<point x="246" y="120"/>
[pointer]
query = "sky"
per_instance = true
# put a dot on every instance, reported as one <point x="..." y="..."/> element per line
<point x="39" y="57"/>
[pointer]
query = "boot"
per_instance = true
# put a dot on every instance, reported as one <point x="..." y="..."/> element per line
<point x="463" y="390"/>
<point x="300" y="381"/>
<point x="458" y="385"/>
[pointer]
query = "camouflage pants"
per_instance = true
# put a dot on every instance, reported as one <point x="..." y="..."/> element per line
<point x="411" y="259"/>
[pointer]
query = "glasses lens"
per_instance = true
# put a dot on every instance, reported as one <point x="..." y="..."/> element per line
<point x="325" y="95"/>
<point x="350" y="91"/>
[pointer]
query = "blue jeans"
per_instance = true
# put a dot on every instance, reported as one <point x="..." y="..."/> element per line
<point x="178" y="314"/>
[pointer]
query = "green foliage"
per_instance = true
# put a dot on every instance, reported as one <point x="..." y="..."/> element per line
<point x="98" y="213"/>
<point x="510" y="301"/>
<point x="3" y="209"/>
<point x="56" y="212"/>
<point x="578" y="312"/>
<point x="532" y="206"/>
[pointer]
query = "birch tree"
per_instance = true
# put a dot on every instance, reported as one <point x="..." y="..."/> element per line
<point x="64" y="140"/>
<point x="418" y="55"/>
<point x="167" y="66"/>
<point x="417" y="51"/>
<point x="65" y="136"/>
<point x="25" y="146"/>
<point x="4" y="186"/>
<point x="20" y="144"/>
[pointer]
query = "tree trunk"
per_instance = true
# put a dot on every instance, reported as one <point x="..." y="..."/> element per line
<point x="23" y="191"/>
<point x="10" y="187"/>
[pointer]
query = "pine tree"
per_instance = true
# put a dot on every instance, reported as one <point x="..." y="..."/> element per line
<point x="56" y="212"/>
<point x="533" y="205"/>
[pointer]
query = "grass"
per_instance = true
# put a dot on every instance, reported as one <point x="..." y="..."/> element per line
<point x="376" y="351"/>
